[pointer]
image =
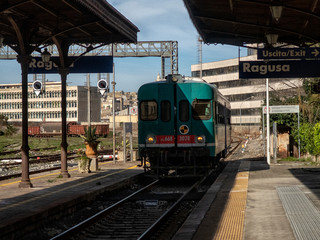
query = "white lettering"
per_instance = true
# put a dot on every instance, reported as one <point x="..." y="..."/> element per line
<point x="48" y="65"/>
<point x="40" y="64"/>
<point x="255" y="68"/>
<point x="286" y="68"/>
<point x="32" y="64"/>
<point x="246" y="67"/>
<point x="264" y="69"/>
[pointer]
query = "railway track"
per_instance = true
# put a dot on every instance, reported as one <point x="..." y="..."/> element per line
<point x="138" y="216"/>
<point x="38" y="164"/>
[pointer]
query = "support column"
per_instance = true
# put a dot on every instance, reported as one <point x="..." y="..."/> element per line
<point x="64" y="145"/>
<point x="24" y="60"/>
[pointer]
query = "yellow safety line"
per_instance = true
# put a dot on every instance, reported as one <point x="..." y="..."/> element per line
<point x="232" y="220"/>
<point x="62" y="189"/>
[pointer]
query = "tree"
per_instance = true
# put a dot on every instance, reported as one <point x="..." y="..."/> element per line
<point x="316" y="137"/>
<point x="10" y="130"/>
<point x="309" y="103"/>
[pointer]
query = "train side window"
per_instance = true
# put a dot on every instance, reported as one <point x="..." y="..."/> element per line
<point x="184" y="111"/>
<point x="165" y="111"/>
<point x="221" y="113"/>
<point x="201" y="109"/>
<point x="148" y="110"/>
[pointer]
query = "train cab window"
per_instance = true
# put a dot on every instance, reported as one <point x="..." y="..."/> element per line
<point x="165" y="111"/>
<point x="148" y="110"/>
<point x="184" y="111"/>
<point x="201" y="109"/>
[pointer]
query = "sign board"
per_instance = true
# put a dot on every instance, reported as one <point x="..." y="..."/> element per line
<point x="128" y="127"/>
<point x="85" y="64"/>
<point x="133" y="110"/>
<point x="288" y="53"/>
<point x="279" y="69"/>
<point x="281" y="109"/>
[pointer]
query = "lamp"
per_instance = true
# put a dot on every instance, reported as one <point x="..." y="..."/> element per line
<point x="276" y="12"/>
<point x="272" y="38"/>
<point x="45" y="55"/>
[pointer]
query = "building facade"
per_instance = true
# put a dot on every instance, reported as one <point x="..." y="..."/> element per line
<point x="124" y="101"/>
<point x="246" y="96"/>
<point x="47" y="106"/>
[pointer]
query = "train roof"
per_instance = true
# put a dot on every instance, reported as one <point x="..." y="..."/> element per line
<point x="177" y="78"/>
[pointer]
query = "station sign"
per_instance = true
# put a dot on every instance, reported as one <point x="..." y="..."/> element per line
<point x="85" y="64"/>
<point x="288" y="53"/>
<point x="279" y="69"/>
<point x="281" y="109"/>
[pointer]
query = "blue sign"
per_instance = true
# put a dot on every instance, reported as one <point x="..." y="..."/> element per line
<point x="279" y="69"/>
<point x="85" y="64"/>
<point x="288" y="53"/>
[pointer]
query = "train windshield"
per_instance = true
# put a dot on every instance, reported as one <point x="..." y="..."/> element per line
<point x="201" y="109"/>
<point x="148" y="110"/>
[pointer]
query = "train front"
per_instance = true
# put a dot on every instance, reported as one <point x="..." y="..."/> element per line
<point x="176" y="127"/>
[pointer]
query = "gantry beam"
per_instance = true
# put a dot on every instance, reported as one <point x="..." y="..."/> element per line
<point x="164" y="49"/>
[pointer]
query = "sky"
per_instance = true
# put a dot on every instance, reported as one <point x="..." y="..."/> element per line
<point x="165" y="20"/>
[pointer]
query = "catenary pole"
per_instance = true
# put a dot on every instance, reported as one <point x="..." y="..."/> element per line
<point x="113" y="115"/>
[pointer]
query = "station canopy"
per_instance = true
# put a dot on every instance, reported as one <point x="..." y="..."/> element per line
<point x="241" y="22"/>
<point x="37" y="22"/>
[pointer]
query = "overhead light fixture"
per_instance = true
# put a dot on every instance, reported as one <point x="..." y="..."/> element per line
<point x="276" y="12"/>
<point x="272" y="38"/>
<point x="45" y="55"/>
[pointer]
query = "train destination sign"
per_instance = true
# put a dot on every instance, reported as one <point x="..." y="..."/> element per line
<point x="85" y="64"/>
<point x="288" y="53"/>
<point x="279" y="69"/>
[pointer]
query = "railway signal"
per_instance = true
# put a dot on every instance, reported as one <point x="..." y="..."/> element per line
<point x="37" y="87"/>
<point x="102" y="86"/>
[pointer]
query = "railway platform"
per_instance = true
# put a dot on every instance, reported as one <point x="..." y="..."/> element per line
<point x="22" y="207"/>
<point x="254" y="201"/>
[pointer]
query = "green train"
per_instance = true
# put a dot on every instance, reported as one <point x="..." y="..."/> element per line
<point x="183" y="127"/>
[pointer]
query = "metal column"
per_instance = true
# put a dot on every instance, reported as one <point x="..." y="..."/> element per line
<point x="64" y="145"/>
<point x="25" y="179"/>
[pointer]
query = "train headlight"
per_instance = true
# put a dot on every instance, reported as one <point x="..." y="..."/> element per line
<point x="200" y="139"/>
<point x="150" y="139"/>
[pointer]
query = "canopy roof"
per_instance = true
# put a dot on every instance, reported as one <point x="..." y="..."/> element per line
<point x="241" y="22"/>
<point x="36" y="22"/>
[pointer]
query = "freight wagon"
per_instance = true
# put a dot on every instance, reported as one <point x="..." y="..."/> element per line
<point x="73" y="129"/>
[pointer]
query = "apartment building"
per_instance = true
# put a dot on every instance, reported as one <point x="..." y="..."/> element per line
<point x="47" y="106"/>
<point x="124" y="101"/>
<point x="246" y="95"/>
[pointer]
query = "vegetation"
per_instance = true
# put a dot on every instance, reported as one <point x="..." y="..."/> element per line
<point x="74" y="144"/>
<point x="309" y="103"/>
<point x="6" y="128"/>
<point x="90" y="135"/>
